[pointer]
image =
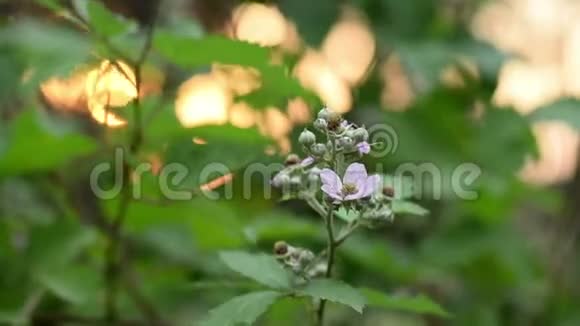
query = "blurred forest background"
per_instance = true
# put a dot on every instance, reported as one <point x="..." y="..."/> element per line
<point x="489" y="82"/>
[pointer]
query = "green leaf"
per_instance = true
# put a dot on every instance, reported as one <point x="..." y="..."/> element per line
<point x="425" y="61"/>
<point x="50" y="4"/>
<point x="45" y="49"/>
<point x="408" y="207"/>
<point x="313" y="18"/>
<point x="335" y="291"/>
<point x="567" y="110"/>
<point x="104" y="22"/>
<point x="262" y="268"/>
<point x="194" y="53"/>
<point x="203" y="223"/>
<point x="50" y="150"/>
<point x="505" y="134"/>
<point x="347" y="215"/>
<point x="244" y="309"/>
<point x="57" y="244"/>
<point x="414" y="304"/>
<point x="277" y="83"/>
<point x="205" y="162"/>
<point x="277" y="87"/>
<point x="75" y="284"/>
<point x="282" y="225"/>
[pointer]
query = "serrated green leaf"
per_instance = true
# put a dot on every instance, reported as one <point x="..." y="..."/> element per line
<point x="277" y="84"/>
<point x="194" y="53"/>
<point x="335" y="291"/>
<point x="262" y="268"/>
<point x="408" y="207"/>
<point x="75" y="284"/>
<point x="347" y="215"/>
<point x="567" y="110"/>
<point x="415" y="304"/>
<point x="244" y="309"/>
<point x="104" y="22"/>
<point x="51" y="150"/>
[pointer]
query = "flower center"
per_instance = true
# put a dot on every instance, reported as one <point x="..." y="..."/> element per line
<point x="348" y="189"/>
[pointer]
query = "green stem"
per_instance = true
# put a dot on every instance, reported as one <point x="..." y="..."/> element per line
<point x="331" y="242"/>
<point x="115" y="255"/>
<point x="330" y="253"/>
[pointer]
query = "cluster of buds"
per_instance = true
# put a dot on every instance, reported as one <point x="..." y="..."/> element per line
<point x="339" y="139"/>
<point x="350" y="139"/>
<point x="297" y="176"/>
<point x="332" y="180"/>
<point x="301" y="261"/>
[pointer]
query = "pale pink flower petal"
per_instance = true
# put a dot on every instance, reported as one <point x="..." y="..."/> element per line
<point x="372" y="184"/>
<point x="331" y="183"/>
<point x="354" y="173"/>
<point x="363" y="148"/>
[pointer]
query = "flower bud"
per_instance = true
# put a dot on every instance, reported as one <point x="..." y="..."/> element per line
<point x="378" y="217"/>
<point x="295" y="181"/>
<point x="280" y="248"/>
<point x="336" y="123"/>
<point x="318" y="149"/>
<point x="320" y="124"/>
<point x="305" y="257"/>
<point x="360" y="135"/>
<point x="346" y="142"/>
<point x="314" y="174"/>
<point x="292" y="159"/>
<point x="307" y="138"/>
<point x="281" y="179"/>
<point x="324" y="114"/>
<point x="389" y="192"/>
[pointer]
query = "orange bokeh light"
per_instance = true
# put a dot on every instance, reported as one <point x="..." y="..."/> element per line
<point x="261" y="24"/>
<point x="349" y="49"/>
<point x="202" y="100"/>
<point x="315" y="73"/>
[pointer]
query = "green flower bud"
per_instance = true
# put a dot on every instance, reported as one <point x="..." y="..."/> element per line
<point x="320" y="124"/>
<point x="281" y="179"/>
<point x="318" y="149"/>
<point x="307" y="138"/>
<point x="295" y="181"/>
<point x="360" y="135"/>
<point x="324" y="114"/>
<point x="346" y="142"/>
<point x="377" y="217"/>
<point x="314" y="174"/>
<point x="305" y="257"/>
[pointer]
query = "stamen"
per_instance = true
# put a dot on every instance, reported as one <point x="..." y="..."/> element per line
<point x="348" y="189"/>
